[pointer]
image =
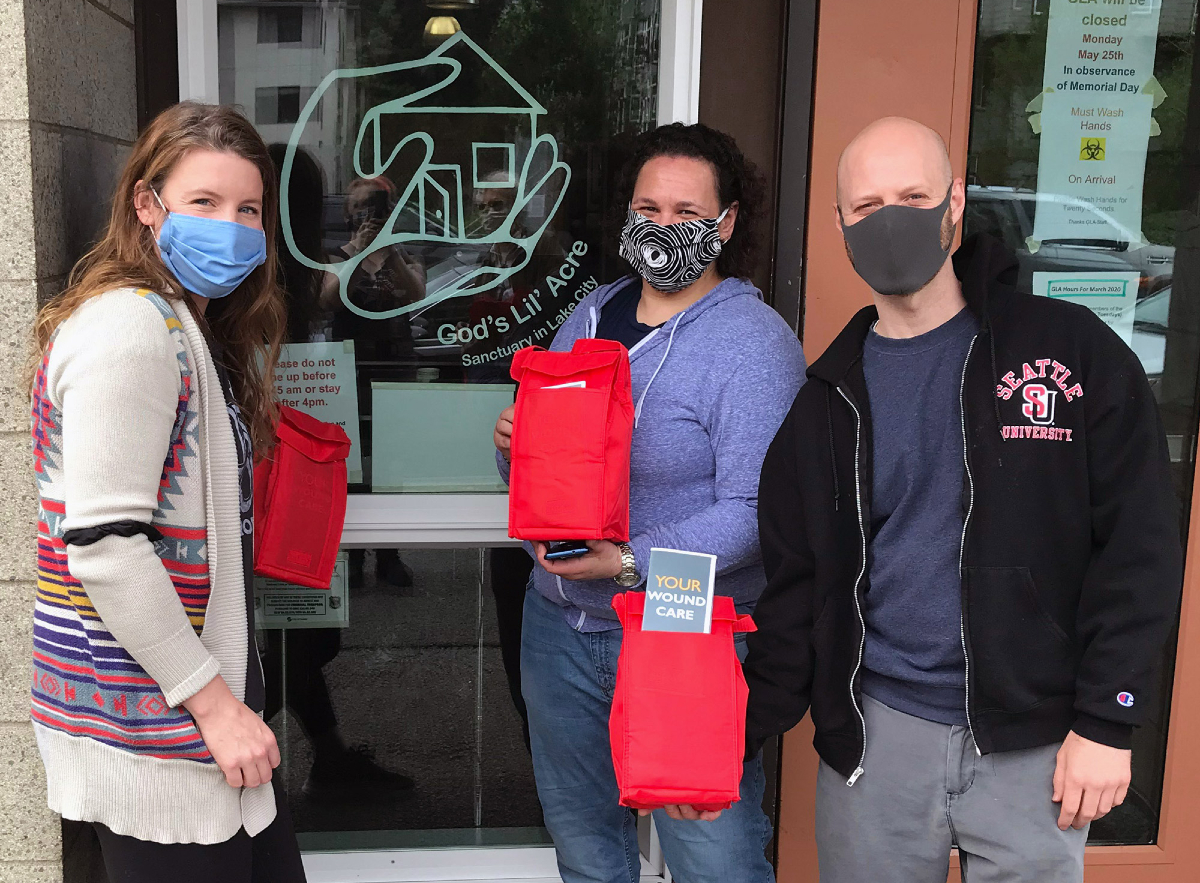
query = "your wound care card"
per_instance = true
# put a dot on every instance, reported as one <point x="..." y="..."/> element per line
<point x="679" y="591"/>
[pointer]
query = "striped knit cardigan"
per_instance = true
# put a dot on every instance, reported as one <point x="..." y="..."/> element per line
<point x="130" y="424"/>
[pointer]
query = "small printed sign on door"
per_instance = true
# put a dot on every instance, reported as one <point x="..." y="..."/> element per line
<point x="280" y="605"/>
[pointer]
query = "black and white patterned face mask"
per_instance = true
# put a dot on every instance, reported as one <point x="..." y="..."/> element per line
<point x="670" y="256"/>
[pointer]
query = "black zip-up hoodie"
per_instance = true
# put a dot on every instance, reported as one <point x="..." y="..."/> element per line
<point x="1071" y="563"/>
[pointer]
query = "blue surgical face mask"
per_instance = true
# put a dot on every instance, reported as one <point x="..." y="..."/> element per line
<point x="208" y="256"/>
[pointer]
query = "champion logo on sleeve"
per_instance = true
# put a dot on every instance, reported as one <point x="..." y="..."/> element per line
<point x="1125" y="699"/>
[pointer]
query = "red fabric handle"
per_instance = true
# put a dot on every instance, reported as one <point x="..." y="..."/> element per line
<point x="520" y="361"/>
<point x="596" y="345"/>
<point x="630" y="604"/>
<point x="744" y="623"/>
<point x="619" y="605"/>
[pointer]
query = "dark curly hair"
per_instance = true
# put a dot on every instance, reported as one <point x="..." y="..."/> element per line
<point x="737" y="181"/>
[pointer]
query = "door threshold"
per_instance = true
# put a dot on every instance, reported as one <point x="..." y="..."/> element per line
<point x="452" y="865"/>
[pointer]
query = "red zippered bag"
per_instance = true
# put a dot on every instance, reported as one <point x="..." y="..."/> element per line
<point x="678" y="723"/>
<point x="572" y="432"/>
<point x="300" y="501"/>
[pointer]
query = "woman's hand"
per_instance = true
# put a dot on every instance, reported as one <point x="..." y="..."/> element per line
<point x="502" y="436"/>
<point x="242" y="745"/>
<point x="603" y="561"/>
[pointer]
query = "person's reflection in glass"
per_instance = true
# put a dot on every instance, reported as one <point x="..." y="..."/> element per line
<point x="510" y="568"/>
<point x="508" y="577"/>
<point x="386" y="278"/>
<point x="339" y="770"/>
<point x="496" y="308"/>
<point x="302" y="284"/>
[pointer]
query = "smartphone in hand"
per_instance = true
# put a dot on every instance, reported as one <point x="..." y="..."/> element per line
<point x="567" y="549"/>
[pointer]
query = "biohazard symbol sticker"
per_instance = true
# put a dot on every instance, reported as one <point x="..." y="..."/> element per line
<point x="1092" y="149"/>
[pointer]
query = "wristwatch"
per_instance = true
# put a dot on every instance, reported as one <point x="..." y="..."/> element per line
<point x="628" y="577"/>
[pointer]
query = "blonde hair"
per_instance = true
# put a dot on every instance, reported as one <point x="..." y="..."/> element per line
<point x="250" y="323"/>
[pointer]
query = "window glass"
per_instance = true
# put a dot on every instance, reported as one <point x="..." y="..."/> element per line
<point x="447" y="178"/>
<point x="1084" y="158"/>
<point x="284" y="24"/>
<point x="447" y="172"/>
<point x="388" y="697"/>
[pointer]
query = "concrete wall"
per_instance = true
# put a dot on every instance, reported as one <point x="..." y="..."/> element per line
<point x="68" y="102"/>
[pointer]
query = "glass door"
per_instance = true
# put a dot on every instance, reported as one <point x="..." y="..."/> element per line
<point x="1083" y="160"/>
<point x="445" y="168"/>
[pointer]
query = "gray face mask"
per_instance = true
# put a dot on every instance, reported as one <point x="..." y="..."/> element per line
<point x="897" y="249"/>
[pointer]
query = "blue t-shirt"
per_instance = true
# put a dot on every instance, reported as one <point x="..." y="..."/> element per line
<point x="913" y="660"/>
<point x="618" y="318"/>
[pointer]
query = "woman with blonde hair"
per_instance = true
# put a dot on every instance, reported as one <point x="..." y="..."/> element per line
<point x="152" y="393"/>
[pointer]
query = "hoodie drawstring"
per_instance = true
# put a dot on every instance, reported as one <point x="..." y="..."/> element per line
<point x="637" y="412"/>
<point x="837" y="491"/>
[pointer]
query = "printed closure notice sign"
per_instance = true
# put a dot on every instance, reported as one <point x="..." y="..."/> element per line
<point x="1095" y="121"/>
<point x="319" y="378"/>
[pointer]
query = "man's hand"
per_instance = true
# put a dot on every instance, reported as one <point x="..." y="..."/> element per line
<point x="1089" y="780"/>
<point x="242" y="745"/>
<point x="685" y="813"/>
<point x="502" y="435"/>
<point x="602" y="562"/>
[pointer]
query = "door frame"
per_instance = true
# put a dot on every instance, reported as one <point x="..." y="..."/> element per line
<point x="791" y="237"/>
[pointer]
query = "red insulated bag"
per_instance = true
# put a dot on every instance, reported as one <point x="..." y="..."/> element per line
<point x="678" y="722"/>
<point x="570" y="446"/>
<point x="300" y="501"/>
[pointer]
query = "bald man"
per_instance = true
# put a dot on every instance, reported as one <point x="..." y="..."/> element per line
<point x="972" y="547"/>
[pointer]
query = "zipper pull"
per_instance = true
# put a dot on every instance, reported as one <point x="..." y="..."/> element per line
<point x="854" y="777"/>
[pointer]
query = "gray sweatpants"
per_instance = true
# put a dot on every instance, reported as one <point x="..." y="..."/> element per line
<point x="924" y="790"/>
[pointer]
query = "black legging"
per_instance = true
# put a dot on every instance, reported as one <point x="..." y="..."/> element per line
<point x="271" y="857"/>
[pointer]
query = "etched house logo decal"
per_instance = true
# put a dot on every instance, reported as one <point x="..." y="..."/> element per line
<point x="396" y="138"/>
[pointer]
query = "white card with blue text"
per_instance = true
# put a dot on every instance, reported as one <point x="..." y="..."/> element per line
<point x="679" y="591"/>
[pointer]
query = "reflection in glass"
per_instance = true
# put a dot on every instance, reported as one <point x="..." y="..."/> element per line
<point x="402" y="723"/>
<point x="1033" y="123"/>
<point x="462" y="184"/>
<point x="447" y="202"/>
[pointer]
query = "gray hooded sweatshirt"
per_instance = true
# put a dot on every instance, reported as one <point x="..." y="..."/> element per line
<point x="711" y="388"/>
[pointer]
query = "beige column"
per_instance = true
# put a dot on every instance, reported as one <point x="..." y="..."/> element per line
<point x="68" y="103"/>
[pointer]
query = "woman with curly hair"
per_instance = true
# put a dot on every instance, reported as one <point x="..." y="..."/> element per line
<point x="714" y="372"/>
<point x="152" y="393"/>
